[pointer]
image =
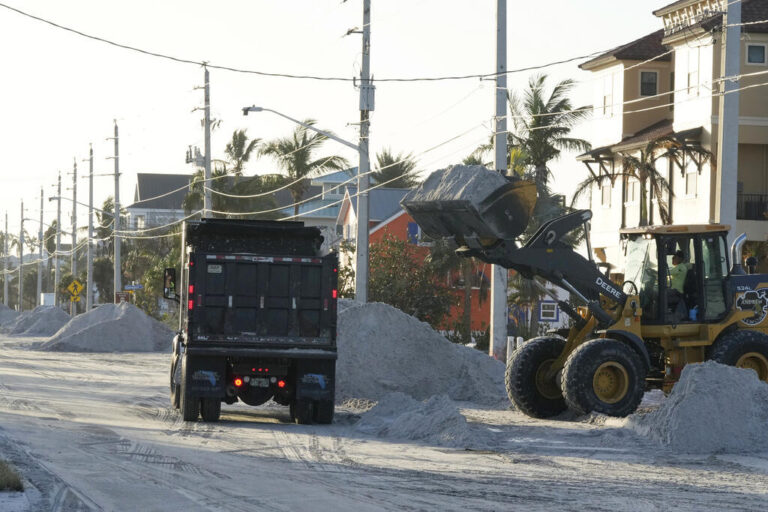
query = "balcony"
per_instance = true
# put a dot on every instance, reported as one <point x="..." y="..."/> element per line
<point x="752" y="207"/>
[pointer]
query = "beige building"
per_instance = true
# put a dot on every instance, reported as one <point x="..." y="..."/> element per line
<point x="666" y="84"/>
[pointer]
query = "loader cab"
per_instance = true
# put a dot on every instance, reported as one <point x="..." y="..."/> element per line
<point x="679" y="271"/>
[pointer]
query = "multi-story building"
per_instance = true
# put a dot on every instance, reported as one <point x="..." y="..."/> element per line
<point x="668" y="84"/>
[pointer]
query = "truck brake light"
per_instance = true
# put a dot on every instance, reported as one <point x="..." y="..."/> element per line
<point x="190" y="304"/>
<point x="335" y="294"/>
<point x="191" y="289"/>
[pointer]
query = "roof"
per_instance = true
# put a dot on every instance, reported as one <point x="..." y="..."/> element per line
<point x="675" y="229"/>
<point x="751" y="11"/>
<point x="644" y="48"/>
<point x="661" y="129"/>
<point x="383" y="203"/>
<point x="673" y="7"/>
<point x="336" y="177"/>
<point x="150" y="187"/>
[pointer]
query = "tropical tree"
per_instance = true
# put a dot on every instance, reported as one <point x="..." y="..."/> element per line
<point x="239" y="151"/>
<point x="641" y="166"/>
<point x="296" y="156"/>
<point x="397" y="171"/>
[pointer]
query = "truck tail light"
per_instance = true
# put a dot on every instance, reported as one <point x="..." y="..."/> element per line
<point x="238" y="382"/>
<point x="190" y="304"/>
<point x="281" y="383"/>
<point x="191" y="289"/>
<point x="335" y="294"/>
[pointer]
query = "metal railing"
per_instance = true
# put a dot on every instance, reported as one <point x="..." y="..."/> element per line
<point x="752" y="207"/>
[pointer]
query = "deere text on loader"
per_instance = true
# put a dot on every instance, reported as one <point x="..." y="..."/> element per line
<point x="625" y="338"/>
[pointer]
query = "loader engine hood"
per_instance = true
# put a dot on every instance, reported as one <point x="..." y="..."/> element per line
<point x="472" y="205"/>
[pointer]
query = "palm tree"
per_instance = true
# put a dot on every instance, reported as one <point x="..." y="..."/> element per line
<point x="397" y="171"/>
<point x="239" y="151"/>
<point x="642" y="167"/>
<point x="542" y="125"/>
<point x="295" y="155"/>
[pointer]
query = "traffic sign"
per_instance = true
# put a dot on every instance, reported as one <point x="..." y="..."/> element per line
<point x="75" y="287"/>
<point x="134" y="287"/>
<point x="74" y="298"/>
<point x="122" y="297"/>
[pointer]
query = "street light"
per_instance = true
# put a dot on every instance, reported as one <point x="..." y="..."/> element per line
<point x="361" y="242"/>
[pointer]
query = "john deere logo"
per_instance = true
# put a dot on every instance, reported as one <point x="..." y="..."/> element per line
<point x="754" y="300"/>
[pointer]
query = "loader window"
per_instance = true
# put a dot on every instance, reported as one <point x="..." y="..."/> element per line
<point x="642" y="268"/>
<point x="715" y="269"/>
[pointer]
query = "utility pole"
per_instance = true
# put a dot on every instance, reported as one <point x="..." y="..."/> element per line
<point x="116" y="223"/>
<point x="89" y="280"/>
<point x="728" y="126"/>
<point x="39" y="300"/>
<point x="498" y="334"/>
<point x="73" y="304"/>
<point x="207" y="207"/>
<point x="57" y="268"/>
<point x="6" y="276"/>
<point x="21" y="260"/>
<point x="366" y="106"/>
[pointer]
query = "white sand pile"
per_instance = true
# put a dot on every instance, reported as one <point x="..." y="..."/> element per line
<point x="471" y="183"/>
<point x="112" y="328"/>
<point x="435" y="421"/>
<point x="713" y="408"/>
<point x="7" y="314"/>
<point x="41" y="321"/>
<point x="383" y="350"/>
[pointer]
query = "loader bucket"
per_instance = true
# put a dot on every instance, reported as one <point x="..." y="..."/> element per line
<point x="474" y="213"/>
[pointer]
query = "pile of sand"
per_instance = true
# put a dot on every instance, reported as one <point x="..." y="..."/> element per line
<point x="435" y="421"/>
<point x="7" y="314"/>
<point x="713" y="408"/>
<point x="471" y="183"/>
<point x="112" y="328"/>
<point x="41" y="321"/>
<point x="383" y="350"/>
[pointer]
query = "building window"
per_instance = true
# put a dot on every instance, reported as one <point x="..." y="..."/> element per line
<point x="140" y="223"/>
<point x="693" y="72"/>
<point x="413" y="233"/>
<point x="632" y="187"/>
<point x="756" y="54"/>
<point x="605" y="198"/>
<point x="608" y="96"/>
<point x="649" y="83"/>
<point x="548" y="311"/>
<point x="690" y="184"/>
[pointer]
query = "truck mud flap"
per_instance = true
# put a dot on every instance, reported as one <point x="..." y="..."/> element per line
<point x="207" y="376"/>
<point x="315" y="379"/>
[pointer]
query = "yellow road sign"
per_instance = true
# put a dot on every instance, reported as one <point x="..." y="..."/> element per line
<point x="75" y="287"/>
<point x="74" y="298"/>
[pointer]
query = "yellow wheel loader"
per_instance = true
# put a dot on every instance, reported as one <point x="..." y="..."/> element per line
<point x="625" y="338"/>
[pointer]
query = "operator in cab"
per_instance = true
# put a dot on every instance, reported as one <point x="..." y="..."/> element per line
<point x="678" y="271"/>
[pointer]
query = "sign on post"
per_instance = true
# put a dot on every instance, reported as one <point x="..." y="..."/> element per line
<point x="75" y="287"/>
<point x="122" y="297"/>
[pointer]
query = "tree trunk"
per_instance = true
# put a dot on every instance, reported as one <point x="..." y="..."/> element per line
<point x="643" y="203"/>
<point x="466" y="268"/>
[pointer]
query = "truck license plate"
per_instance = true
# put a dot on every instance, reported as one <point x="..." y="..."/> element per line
<point x="260" y="383"/>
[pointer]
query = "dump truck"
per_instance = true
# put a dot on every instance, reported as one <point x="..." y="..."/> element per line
<point x="258" y="303"/>
<point x="625" y="338"/>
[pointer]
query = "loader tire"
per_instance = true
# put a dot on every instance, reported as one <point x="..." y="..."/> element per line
<point x="527" y="387"/>
<point x="210" y="409"/>
<point x="189" y="403"/>
<point x="605" y="376"/>
<point x="744" y="349"/>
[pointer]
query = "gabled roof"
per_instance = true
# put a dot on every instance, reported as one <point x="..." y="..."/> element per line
<point x="644" y="48"/>
<point x="149" y="188"/>
<point x="382" y="202"/>
<point x="661" y="129"/>
<point x="336" y="177"/>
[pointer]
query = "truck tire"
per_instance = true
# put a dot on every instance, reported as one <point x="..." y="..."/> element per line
<point x="302" y="411"/>
<point x="744" y="349"/>
<point x="210" y="409"/>
<point x="189" y="404"/>
<point x="324" y="412"/>
<point x="604" y="375"/>
<point x="526" y="385"/>
<point x="175" y="388"/>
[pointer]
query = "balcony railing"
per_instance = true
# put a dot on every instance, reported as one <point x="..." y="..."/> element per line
<point x="752" y="207"/>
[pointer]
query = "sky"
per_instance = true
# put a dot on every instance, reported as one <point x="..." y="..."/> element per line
<point x="62" y="92"/>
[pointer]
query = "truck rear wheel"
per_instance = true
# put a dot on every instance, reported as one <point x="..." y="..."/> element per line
<point x="605" y="376"/>
<point x="324" y="412"/>
<point x="528" y="386"/>
<point x="210" y="409"/>
<point x="743" y="349"/>
<point x="175" y="388"/>
<point x="189" y="404"/>
<point x="302" y="411"/>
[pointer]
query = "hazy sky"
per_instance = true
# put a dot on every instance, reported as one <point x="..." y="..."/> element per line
<point x="61" y="91"/>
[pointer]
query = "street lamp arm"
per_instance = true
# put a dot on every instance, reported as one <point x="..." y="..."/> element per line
<point x="305" y="125"/>
<point x="54" y="198"/>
